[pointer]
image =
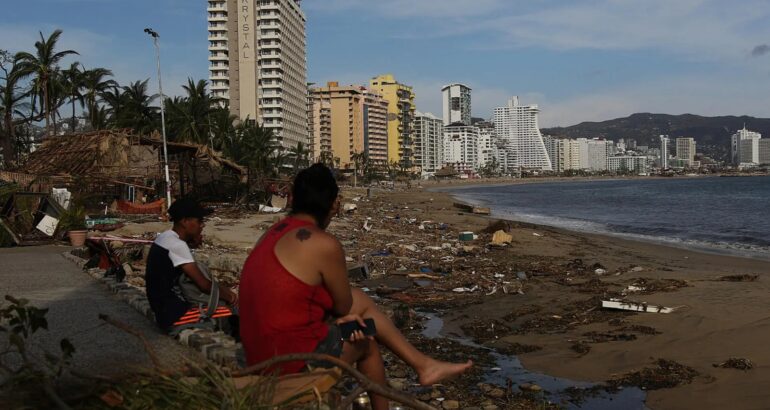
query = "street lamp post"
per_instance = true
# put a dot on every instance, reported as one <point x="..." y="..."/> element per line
<point x="155" y="38"/>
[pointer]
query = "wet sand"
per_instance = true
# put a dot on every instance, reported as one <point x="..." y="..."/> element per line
<point x="716" y="320"/>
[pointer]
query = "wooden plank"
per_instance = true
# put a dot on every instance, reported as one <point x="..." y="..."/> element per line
<point x="300" y="387"/>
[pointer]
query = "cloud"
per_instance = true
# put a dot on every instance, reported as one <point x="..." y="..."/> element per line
<point x="693" y="94"/>
<point x="696" y="29"/>
<point x="411" y="8"/>
<point x="760" y="50"/>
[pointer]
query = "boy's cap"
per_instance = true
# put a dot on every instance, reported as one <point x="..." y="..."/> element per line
<point x="187" y="208"/>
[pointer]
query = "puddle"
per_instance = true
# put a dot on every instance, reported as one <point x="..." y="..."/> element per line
<point x="630" y="398"/>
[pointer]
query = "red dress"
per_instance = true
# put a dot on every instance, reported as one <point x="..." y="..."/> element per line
<point x="279" y="314"/>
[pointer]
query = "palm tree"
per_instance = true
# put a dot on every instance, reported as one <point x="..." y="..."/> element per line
<point x="188" y="117"/>
<point x="10" y="105"/>
<point x="138" y="113"/>
<point x="73" y="83"/>
<point x="300" y="155"/>
<point x="95" y="82"/>
<point x="42" y="65"/>
<point x="114" y="100"/>
<point x="221" y="127"/>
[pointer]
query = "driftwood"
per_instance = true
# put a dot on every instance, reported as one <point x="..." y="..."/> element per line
<point x="366" y="384"/>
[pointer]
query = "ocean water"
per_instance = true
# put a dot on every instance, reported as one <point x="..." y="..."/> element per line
<point x="722" y="215"/>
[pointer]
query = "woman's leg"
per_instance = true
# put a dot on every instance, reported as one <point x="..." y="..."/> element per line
<point x="429" y="370"/>
<point x="366" y="355"/>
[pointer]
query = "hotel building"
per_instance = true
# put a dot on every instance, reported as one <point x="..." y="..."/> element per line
<point x="257" y="64"/>
<point x="685" y="150"/>
<point x="461" y="144"/>
<point x="429" y="142"/>
<point x="347" y="120"/>
<point x="457" y="104"/>
<point x="744" y="146"/>
<point x="401" y="111"/>
<point x="517" y="128"/>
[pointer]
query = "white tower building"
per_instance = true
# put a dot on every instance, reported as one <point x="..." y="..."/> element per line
<point x="664" y="151"/>
<point x="457" y="104"/>
<point x="461" y="144"/>
<point x="257" y="64"/>
<point x="744" y="144"/>
<point x="429" y="142"/>
<point x="517" y="128"/>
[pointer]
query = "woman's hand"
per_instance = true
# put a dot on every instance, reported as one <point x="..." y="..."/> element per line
<point x="356" y="335"/>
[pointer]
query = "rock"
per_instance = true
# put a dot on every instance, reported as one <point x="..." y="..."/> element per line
<point x="530" y="387"/>
<point x="398" y="384"/>
<point x="496" y="393"/>
<point x="637" y="269"/>
<point x="451" y="404"/>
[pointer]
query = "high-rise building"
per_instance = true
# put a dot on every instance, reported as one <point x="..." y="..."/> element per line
<point x="627" y="163"/>
<point x="461" y="144"/>
<point x="401" y="111"/>
<point x="487" y="151"/>
<point x="457" y="104"/>
<point x="685" y="150"/>
<point x="517" y="128"/>
<point x="429" y="142"/>
<point x="741" y="152"/>
<point x="257" y="64"/>
<point x="555" y="153"/>
<point x="764" y="151"/>
<point x="664" y="151"/>
<point x="351" y="120"/>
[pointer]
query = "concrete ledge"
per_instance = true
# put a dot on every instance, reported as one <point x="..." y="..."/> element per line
<point x="217" y="347"/>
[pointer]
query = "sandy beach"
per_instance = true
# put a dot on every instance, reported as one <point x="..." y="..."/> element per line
<point x="539" y="298"/>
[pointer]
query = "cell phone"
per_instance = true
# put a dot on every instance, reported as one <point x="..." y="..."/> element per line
<point x="347" y="328"/>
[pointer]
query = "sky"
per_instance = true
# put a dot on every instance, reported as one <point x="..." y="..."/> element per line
<point x="579" y="60"/>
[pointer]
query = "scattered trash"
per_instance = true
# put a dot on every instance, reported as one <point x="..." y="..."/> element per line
<point x="665" y="375"/>
<point x="501" y="238"/>
<point x="635" y="306"/>
<point x="269" y="209"/>
<point x="536" y="234"/>
<point x="521" y="275"/>
<point x="466" y="236"/>
<point x="349" y="207"/>
<point x="600" y="271"/>
<point x="465" y="290"/>
<point x="739" y="278"/>
<point x="637" y="269"/>
<point x="359" y="272"/>
<point x="736" y="363"/>
<point x="366" y="226"/>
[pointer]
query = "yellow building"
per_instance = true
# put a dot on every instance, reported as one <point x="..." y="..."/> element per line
<point x="401" y="113"/>
<point x="348" y="120"/>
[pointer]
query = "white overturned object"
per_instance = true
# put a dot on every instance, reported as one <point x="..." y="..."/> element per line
<point x="635" y="306"/>
<point x="48" y="225"/>
<point x="269" y="209"/>
<point x="349" y="207"/>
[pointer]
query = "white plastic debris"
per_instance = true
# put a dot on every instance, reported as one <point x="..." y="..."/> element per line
<point x="635" y="306"/>
<point x="367" y="227"/>
<point x="536" y="234"/>
<point x="269" y="209"/>
<point x="349" y="207"/>
<point x="466" y="290"/>
<point x="600" y="271"/>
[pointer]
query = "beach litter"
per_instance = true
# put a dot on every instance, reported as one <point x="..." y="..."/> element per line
<point x="500" y="238"/>
<point x="635" y="306"/>
<point x="736" y="363"/>
<point x="664" y="375"/>
<point x="738" y="278"/>
<point x="466" y="236"/>
<point x="349" y="207"/>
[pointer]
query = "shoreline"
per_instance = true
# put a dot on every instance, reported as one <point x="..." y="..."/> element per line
<point x="707" y="321"/>
<point x="703" y="247"/>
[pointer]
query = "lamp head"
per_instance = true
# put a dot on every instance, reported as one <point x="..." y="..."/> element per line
<point x="151" y="32"/>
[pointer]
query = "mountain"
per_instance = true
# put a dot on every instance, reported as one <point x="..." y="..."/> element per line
<point x="712" y="134"/>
